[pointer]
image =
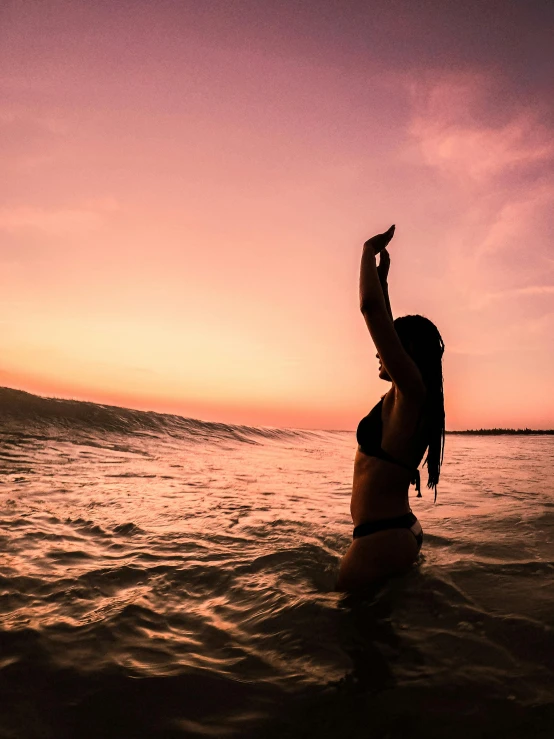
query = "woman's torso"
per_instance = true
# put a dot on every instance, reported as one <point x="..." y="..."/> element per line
<point x="380" y="487"/>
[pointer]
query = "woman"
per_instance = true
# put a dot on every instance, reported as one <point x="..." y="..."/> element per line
<point x="393" y="437"/>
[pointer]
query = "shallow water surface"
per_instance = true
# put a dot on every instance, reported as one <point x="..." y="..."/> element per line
<point x="164" y="577"/>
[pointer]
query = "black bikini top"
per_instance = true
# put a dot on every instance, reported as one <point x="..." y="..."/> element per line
<point x="369" y="434"/>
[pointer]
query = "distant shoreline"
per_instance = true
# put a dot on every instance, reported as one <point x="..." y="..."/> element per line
<point x="502" y="432"/>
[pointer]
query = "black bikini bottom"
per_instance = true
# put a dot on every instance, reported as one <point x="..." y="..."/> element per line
<point x="406" y="521"/>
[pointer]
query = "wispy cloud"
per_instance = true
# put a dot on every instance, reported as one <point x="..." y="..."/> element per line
<point x="483" y="299"/>
<point x="526" y="334"/>
<point x="513" y="222"/>
<point x="497" y="165"/>
<point x="453" y="135"/>
<point x="59" y="221"/>
<point x="52" y="122"/>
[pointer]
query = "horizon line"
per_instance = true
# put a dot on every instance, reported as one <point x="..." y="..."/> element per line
<point x="482" y="431"/>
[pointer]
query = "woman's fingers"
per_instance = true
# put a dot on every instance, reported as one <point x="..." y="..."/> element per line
<point x="380" y="241"/>
<point x="384" y="264"/>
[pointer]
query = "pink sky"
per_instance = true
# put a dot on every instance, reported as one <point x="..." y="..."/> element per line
<point x="185" y="191"/>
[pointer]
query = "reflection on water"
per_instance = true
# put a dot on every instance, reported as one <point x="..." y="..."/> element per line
<point x="164" y="577"/>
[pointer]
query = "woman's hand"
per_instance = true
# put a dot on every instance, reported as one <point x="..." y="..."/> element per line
<point x="384" y="265"/>
<point x="380" y="241"/>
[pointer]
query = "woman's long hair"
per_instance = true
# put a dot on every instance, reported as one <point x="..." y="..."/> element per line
<point x="423" y="342"/>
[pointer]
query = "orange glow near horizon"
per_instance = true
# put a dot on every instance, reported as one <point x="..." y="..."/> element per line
<point x="185" y="193"/>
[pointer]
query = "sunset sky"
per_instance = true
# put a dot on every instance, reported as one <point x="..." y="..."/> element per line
<point x="186" y="187"/>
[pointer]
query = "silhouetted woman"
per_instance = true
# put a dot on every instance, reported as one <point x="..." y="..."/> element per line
<point x="393" y="437"/>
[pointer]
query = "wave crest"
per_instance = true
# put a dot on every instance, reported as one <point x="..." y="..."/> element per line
<point x="18" y="407"/>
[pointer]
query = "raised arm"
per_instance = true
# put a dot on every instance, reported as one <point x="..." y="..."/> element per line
<point x="375" y="308"/>
<point x="383" y="272"/>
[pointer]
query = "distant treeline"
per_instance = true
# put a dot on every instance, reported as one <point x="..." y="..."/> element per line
<point x="499" y="432"/>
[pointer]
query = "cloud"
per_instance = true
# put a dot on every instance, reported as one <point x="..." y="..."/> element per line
<point x="517" y="335"/>
<point x="494" y="164"/>
<point x="57" y="221"/>
<point x="481" y="300"/>
<point x="513" y="223"/>
<point x="452" y="129"/>
<point x="482" y="153"/>
<point x="52" y="122"/>
<point x="32" y="137"/>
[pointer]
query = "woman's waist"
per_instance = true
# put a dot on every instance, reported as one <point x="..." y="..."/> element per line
<point x="377" y="476"/>
<point x="385" y="463"/>
<point x="363" y="511"/>
<point x="376" y="494"/>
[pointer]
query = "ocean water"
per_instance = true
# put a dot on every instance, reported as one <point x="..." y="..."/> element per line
<point x="165" y="577"/>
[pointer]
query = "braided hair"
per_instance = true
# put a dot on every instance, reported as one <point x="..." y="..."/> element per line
<point x="423" y="342"/>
